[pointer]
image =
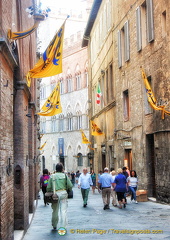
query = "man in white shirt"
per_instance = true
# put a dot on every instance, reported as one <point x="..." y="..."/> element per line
<point x="84" y="183"/>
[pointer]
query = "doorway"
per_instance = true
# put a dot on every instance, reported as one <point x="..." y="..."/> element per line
<point x="150" y="161"/>
<point x="128" y="159"/>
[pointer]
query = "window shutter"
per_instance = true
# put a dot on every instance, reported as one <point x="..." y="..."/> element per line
<point x="150" y="27"/>
<point x="119" y="50"/>
<point x="138" y="29"/>
<point x="127" y="46"/>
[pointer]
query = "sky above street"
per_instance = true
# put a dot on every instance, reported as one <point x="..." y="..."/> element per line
<point x="68" y="4"/>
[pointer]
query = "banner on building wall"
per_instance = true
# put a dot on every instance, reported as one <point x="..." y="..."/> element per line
<point x="84" y="138"/>
<point x="151" y="98"/>
<point x="52" y="105"/>
<point x="61" y="146"/>
<point x="50" y="64"/>
<point x="20" y="35"/>
<point x="95" y="130"/>
<point x="41" y="148"/>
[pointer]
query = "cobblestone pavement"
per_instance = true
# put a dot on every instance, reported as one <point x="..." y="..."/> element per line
<point x="150" y="220"/>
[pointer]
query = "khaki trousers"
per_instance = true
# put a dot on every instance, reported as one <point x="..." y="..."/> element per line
<point x="106" y="192"/>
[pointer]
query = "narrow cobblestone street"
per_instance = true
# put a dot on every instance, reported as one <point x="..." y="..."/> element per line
<point x="95" y="223"/>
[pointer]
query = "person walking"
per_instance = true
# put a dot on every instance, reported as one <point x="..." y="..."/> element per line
<point x="120" y="186"/>
<point x="106" y="181"/>
<point x="113" y="193"/>
<point x="84" y="182"/>
<point x="125" y="173"/>
<point x="77" y="176"/>
<point x="43" y="183"/>
<point x="93" y="177"/>
<point x="73" y="177"/>
<point x="62" y="183"/>
<point x="133" y="183"/>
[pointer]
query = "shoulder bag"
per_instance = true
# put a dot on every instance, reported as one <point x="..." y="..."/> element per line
<point x="69" y="192"/>
<point x="52" y="197"/>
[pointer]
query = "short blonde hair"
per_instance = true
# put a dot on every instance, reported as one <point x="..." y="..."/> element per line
<point x="119" y="170"/>
<point x="113" y="173"/>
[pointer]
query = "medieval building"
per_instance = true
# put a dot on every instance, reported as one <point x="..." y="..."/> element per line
<point x="124" y="37"/>
<point x="19" y="165"/>
<point x="62" y="132"/>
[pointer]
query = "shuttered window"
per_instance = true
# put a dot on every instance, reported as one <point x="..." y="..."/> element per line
<point x="126" y="39"/>
<point x="149" y="15"/>
<point x="138" y="29"/>
<point x="119" y="50"/>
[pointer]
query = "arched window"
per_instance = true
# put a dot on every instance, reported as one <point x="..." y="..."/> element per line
<point x="86" y="79"/>
<point x="61" y="123"/>
<point x="79" y="120"/>
<point x="69" y="83"/>
<point x="80" y="159"/>
<point x="53" y="124"/>
<point x="70" y="121"/>
<point x="78" y="81"/>
<point x="43" y="92"/>
<point x="61" y="86"/>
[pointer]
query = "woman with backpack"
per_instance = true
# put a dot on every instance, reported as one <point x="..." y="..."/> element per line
<point x="44" y="182"/>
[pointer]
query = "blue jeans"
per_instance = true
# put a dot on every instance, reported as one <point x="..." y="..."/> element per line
<point x="133" y="191"/>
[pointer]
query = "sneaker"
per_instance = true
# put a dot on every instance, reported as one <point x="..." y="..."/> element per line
<point x="136" y="201"/>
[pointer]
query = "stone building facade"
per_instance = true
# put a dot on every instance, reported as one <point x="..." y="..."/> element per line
<point x="62" y="132"/>
<point x="18" y="123"/>
<point x="123" y="37"/>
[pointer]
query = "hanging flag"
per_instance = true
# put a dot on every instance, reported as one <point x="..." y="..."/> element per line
<point x="90" y="147"/>
<point x="50" y="63"/>
<point x="151" y="97"/>
<point x="52" y="106"/>
<point x="96" y="131"/>
<point x="98" y="95"/>
<point x="20" y="35"/>
<point x="41" y="148"/>
<point x="148" y="88"/>
<point x="84" y="138"/>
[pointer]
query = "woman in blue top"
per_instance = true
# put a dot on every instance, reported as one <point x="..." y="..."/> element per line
<point x="120" y="187"/>
<point x="93" y="178"/>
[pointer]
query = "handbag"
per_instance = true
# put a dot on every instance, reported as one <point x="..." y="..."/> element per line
<point x="69" y="192"/>
<point x="52" y="197"/>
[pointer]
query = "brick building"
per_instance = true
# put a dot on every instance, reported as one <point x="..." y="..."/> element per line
<point x="19" y="167"/>
<point x="122" y="36"/>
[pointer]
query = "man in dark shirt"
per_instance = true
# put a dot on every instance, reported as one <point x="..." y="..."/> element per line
<point x="125" y="173"/>
<point x="73" y="178"/>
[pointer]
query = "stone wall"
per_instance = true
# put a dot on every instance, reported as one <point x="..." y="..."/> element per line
<point x="143" y="136"/>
